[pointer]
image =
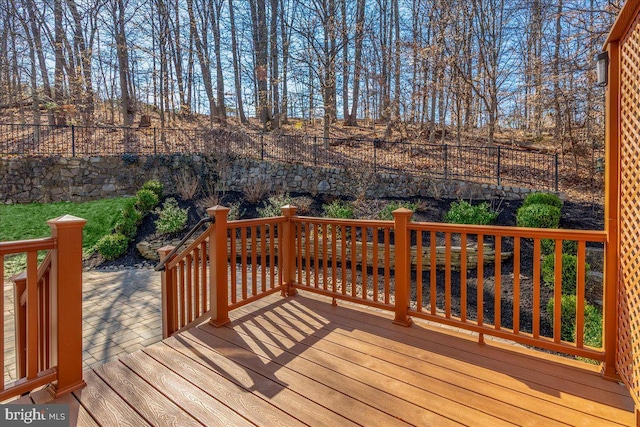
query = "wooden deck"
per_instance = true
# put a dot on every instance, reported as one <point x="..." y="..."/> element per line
<point x="302" y="361"/>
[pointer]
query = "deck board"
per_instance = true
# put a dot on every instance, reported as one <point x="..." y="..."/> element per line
<point x="301" y="361"/>
<point x="473" y="370"/>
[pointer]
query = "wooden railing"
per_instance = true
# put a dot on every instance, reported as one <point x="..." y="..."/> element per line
<point x="205" y="273"/>
<point x="47" y="311"/>
<point x="471" y="277"/>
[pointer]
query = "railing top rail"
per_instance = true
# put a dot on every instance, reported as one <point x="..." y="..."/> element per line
<point x="254" y="222"/>
<point x="497" y="230"/>
<point x="340" y="221"/>
<point x="19" y="246"/>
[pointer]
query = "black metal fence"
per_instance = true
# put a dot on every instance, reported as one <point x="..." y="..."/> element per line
<point x="490" y="164"/>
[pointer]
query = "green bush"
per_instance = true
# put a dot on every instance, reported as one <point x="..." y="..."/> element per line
<point x="592" y="326"/>
<point x="538" y="216"/>
<point x="273" y="205"/>
<point x="569" y="272"/>
<point x="592" y="321"/>
<point x="155" y="186"/>
<point x="235" y="212"/>
<point x="112" y="246"/>
<point x="387" y="212"/>
<point x="548" y="246"/>
<point x="338" y="209"/>
<point x="542" y="199"/>
<point x="463" y="212"/>
<point x="171" y="218"/>
<point x="567" y="316"/>
<point x="146" y="200"/>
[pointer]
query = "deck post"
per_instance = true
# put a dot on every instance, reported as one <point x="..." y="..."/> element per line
<point x="66" y="303"/>
<point x="288" y="250"/>
<point x="218" y="261"/>
<point x="612" y="216"/>
<point x="401" y="218"/>
<point x="168" y="284"/>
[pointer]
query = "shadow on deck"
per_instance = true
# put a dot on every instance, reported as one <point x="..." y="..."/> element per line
<point x="302" y="361"/>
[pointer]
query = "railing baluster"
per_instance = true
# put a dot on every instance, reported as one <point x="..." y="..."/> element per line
<point x="254" y="261"/>
<point x="463" y="277"/>
<point x="189" y="298"/>
<point x="354" y="254"/>
<point x="299" y="229"/>
<point x="374" y="264"/>
<point x="234" y="266"/>
<point x="580" y="288"/>
<point x="387" y="266"/>
<point x="181" y="297"/>
<point x="316" y="256"/>
<point x="433" y="264"/>
<point x="536" y="288"/>
<point x="343" y="258"/>
<point x="197" y="289"/>
<point x="447" y="275"/>
<point x="243" y="249"/>
<point x="497" y="291"/>
<point x="307" y="254"/>
<point x="263" y="258"/>
<point x="2" y="321"/>
<point x="419" y="254"/>
<point x="272" y="255"/>
<point x="480" y="286"/>
<point x="325" y="256"/>
<point x="334" y="258"/>
<point x="363" y="264"/>
<point x="557" y="292"/>
<point x="516" y="285"/>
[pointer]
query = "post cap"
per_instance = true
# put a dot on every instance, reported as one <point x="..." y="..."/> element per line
<point x="218" y="210"/>
<point x="66" y="221"/>
<point x="402" y="212"/>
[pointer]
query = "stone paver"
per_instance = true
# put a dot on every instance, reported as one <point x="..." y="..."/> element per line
<point x="121" y="314"/>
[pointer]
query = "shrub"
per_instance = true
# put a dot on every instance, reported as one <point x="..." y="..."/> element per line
<point x="387" y="212"/>
<point x="128" y="222"/>
<point x="463" y="212"/>
<point x="155" y="186"/>
<point x="272" y="207"/>
<point x="235" y="212"/>
<point x="146" y="200"/>
<point x="567" y="316"/>
<point x="187" y="185"/>
<point x="542" y="199"/>
<point x="338" y="209"/>
<point x="303" y="203"/>
<point x="592" y="321"/>
<point x="256" y="191"/>
<point x="538" y="216"/>
<point x="171" y="218"/>
<point x="112" y="246"/>
<point x="569" y="272"/>
<point x="569" y="247"/>
<point x="592" y="326"/>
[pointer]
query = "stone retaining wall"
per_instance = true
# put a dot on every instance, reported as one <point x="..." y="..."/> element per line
<point x="25" y="180"/>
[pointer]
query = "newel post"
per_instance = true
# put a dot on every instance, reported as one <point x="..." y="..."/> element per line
<point x="218" y="261"/>
<point x="168" y="283"/>
<point x="66" y="303"/>
<point x="401" y="218"/>
<point x="289" y="251"/>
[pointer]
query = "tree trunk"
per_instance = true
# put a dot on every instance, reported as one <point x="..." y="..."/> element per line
<point x="236" y="66"/>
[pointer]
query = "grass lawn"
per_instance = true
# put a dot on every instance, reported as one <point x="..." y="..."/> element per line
<point x="20" y="222"/>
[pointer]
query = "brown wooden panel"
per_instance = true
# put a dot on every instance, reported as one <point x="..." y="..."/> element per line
<point x="246" y="383"/>
<point x="78" y="415"/>
<point x="104" y="404"/>
<point x="468" y="385"/>
<point x="143" y="397"/>
<point x="195" y="401"/>
<point x="375" y="400"/>
<point x="343" y="402"/>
